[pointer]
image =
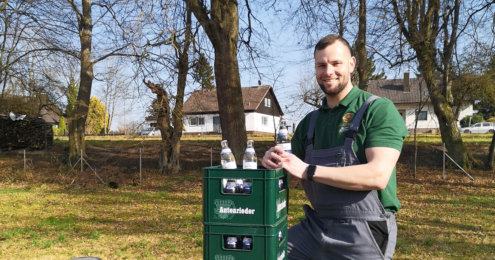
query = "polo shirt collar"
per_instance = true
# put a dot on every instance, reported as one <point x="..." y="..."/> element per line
<point x="353" y="94"/>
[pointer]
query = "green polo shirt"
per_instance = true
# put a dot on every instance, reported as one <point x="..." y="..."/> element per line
<point x="381" y="126"/>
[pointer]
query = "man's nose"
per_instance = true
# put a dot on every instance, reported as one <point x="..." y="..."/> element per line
<point x="329" y="70"/>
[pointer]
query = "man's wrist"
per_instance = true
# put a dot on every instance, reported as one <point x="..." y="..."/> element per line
<point x="310" y="172"/>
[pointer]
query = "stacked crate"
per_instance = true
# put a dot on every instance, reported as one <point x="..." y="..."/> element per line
<point x="259" y="215"/>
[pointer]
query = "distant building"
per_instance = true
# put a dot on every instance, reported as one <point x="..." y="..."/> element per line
<point x="261" y="109"/>
<point x="406" y="94"/>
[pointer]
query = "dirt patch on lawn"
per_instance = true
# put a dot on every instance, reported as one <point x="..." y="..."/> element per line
<point x="136" y="163"/>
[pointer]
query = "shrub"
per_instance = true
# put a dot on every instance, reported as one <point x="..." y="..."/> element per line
<point x="476" y="118"/>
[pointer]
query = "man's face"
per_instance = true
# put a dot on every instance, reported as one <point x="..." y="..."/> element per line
<point x="334" y="66"/>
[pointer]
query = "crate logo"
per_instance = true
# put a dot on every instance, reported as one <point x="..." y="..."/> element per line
<point x="224" y="257"/>
<point x="226" y="210"/>
<point x="281" y="256"/>
<point x="281" y="205"/>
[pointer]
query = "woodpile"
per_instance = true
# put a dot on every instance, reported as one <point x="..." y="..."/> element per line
<point x="30" y="132"/>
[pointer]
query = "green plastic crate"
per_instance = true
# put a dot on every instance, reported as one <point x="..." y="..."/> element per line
<point x="264" y="206"/>
<point x="266" y="244"/>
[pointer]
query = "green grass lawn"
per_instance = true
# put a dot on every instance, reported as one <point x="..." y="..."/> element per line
<point x="59" y="222"/>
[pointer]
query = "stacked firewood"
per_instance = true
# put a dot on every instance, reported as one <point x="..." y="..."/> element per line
<point x="24" y="132"/>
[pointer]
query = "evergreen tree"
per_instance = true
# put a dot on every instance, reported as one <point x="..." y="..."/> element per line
<point x="203" y="73"/>
<point x="96" y="116"/>
<point x="61" y="126"/>
<point x="71" y="98"/>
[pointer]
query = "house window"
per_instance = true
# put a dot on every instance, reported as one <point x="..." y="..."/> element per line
<point x="268" y="102"/>
<point x="196" y="121"/>
<point x="423" y="116"/>
<point x="264" y="120"/>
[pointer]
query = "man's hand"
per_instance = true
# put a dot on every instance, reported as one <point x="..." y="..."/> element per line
<point x="272" y="159"/>
<point x="294" y="165"/>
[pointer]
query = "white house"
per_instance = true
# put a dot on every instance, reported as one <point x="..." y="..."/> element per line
<point x="406" y="94"/>
<point x="261" y="109"/>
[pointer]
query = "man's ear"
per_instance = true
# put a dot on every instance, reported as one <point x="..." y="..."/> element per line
<point x="352" y="64"/>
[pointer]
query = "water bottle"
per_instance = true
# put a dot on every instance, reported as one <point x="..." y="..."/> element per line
<point x="247" y="243"/>
<point x="227" y="158"/>
<point x="247" y="186"/>
<point x="231" y="242"/>
<point x="239" y="185"/>
<point x="283" y="137"/>
<point x="230" y="187"/>
<point x="249" y="161"/>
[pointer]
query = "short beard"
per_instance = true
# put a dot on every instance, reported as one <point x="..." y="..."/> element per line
<point x="335" y="92"/>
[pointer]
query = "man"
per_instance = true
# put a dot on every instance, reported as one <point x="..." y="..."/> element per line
<point x="350" y="147"/>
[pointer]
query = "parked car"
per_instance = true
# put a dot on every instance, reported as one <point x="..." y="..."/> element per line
<point x="151" y="132"/>
<point x="479" y="128"/>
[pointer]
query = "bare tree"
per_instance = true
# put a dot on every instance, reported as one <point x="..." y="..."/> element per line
<point x="424" y="25"/>
<point x="116" y="86"/>
<point x="63" y="23"/>
<point x="15" y="34"/>
<point x="220" y="21"/>
<point x="167" y="54"/>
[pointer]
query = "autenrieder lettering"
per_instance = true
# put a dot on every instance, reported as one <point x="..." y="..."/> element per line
<point x="239" y="210"/>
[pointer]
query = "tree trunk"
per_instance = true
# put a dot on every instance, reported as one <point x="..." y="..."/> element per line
<point x="361" y="54"/>
<point x="223" y="31"/>
<point x="76" y="139"/>
<point x="443" y="110"/>
<point x="229" y="93"/>
<point x="491" y="154"/>
<point x="162" y="123"/>
<point x="78" y="123"/>
<point x="174" y="152"/>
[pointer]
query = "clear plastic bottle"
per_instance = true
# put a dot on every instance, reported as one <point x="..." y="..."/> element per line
<point x="283" y="137"/>
<point x="227" y="158"/>
<point x="250" y="161"/>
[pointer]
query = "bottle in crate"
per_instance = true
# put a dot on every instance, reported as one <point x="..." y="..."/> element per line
<point x="250" y="161"/>
<point x="247" y="186"/>
<point x="231" y="242"/>
<point x="247" y="243"/>
<point x="230" y="186"/>
<point x="283" y="137"/>
<point x="227" y="158"/>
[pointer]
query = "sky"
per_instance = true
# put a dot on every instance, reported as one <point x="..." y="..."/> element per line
<point x="288" y="61"/>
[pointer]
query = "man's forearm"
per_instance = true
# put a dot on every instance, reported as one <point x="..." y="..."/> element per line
<point x="373" y="175"/>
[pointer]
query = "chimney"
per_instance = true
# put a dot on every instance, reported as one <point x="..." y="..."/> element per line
<point x="406" y="82"/>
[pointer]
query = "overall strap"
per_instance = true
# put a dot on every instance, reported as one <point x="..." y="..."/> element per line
<point x="311" y="130"/>
<point x="356" y="122"/>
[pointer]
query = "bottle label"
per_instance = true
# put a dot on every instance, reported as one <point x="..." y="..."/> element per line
<point x="226" y="151"/>
<point x="250" y="165"/>
<point x="249" y="151"/>
<point x="229" y="165"/>
<point x="286" y="146"/>
<point x="283" y="132"/>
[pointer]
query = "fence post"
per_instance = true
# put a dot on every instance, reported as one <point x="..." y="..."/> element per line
<point x="140" y="175"/>
<point x="443" y="172"/>
<point x="81" y="162"/>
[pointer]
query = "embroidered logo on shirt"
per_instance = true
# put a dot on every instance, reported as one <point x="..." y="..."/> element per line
<point x="348" y="117"/>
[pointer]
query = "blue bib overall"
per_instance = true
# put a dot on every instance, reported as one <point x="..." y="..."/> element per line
<point x="344" y="224"/>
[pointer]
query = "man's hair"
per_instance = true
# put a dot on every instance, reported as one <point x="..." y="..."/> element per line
<point x="329" y="40"/>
